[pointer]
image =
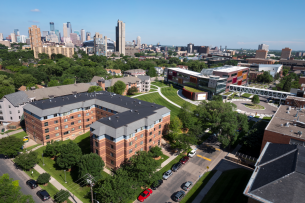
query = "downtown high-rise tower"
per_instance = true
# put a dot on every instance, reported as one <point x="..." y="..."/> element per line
<point x="120" y="37"/>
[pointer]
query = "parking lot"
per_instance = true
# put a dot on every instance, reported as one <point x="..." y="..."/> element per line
<point x="190" y="171"/>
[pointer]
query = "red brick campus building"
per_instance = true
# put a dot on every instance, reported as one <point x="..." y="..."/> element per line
<point x="119" y="126"/>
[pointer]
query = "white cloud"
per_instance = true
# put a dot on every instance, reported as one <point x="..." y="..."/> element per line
<point x="35" y="10"/>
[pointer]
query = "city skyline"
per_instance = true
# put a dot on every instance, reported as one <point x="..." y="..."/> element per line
<point x="228" y="23"/>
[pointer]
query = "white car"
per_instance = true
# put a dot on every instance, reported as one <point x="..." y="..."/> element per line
<point x="192" y="153"/>
<point x="167" y="174"/>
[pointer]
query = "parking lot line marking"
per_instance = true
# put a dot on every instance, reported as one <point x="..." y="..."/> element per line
<point x="217" y="149"/>
<point x="204" y="157"/>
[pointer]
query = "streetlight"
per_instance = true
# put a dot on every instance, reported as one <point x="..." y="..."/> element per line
<point x="42" y="160"/>
<point x="65" y="176"/>
<point x="32" y="173"/>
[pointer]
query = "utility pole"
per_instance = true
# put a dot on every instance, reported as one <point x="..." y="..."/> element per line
<point x="91" y="184"/>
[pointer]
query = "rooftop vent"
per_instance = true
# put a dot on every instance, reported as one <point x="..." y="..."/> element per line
<point x="117" y="116"/>
<point x="288" y="112"/>
<point x="282" y="125"/>
<point x="130" y="110"/>
<point x="300" y="133"/>
<point x="139" y="102"/>
<point x="50" y="100"/>
<point x="287" y="124"/>
<point x="152" y="105"/>
<point x="289" y="108"/>
<point x="75" y="96"/>
<point x="109" y="118"/>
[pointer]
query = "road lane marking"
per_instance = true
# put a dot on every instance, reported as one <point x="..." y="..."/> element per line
<point x="204" y="158"/>
<point x="217" y="149"/>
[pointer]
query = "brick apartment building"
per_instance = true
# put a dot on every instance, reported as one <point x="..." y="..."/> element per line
<point x="35" y="36"/>
<point x="135" y="72"/>
<point x="286" y="53"/>
<point x="260" y="61"/>
<point x="261" y="54"/>
<point x="119" y="126"/>
<point x="287" y="126"/>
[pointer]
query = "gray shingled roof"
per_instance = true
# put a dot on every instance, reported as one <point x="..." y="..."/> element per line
<point x="143" y="77"/>
<point x="96" y="78"/>
<point x="17" y="98"/>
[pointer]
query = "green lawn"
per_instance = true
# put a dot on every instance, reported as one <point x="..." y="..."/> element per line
<point x="195" y="190"/>
<point x="49" y="188"/>
<point x="229" y="187"/>
<point x="256" y="116"/>
<point x="267" y="118"/>
<point x="247" y="95"/>
<point x="159" y="84"/>
<point x="8" y="131"/>
<point x="156" y="98"/>
<point x="152" y="90"/>
<point x="254" y="106"/>
<point x="227" y="93"/>
<point x="50" y="167"/>
<point x="20" y="135"/>
<point x="192" y="89"/>
<point x="170" y="164"/>
<point x="163" y="158"/>
<point x="30" y="148"/>
<point x="171" y="94"/>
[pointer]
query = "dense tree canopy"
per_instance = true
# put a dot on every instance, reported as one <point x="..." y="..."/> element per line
<point x="10" y="146"/>
<point x="90" y="164"/>
<point x="26" y="160"/>
<point x="119" y="87"/>
<point x="6" y="85"/>
<point x="255" y="99"/>
<point x="69" y="156"/>
<point x="94" y="89"/>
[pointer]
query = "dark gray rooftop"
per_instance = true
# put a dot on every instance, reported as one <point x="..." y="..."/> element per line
<point x="279" y="175"/>
<point x="143" y="77"/>
<point x="17" y="98"/>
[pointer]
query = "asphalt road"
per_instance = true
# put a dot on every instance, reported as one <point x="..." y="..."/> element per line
<point x="188" y="172"/>
<point x="6" y="166"/>
<point x="268" y="109"/>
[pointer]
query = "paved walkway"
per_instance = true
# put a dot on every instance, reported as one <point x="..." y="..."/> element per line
<point x="11" y="133"/>
<point x="179" y="92"/>
<point x="56" y="184"/>
<point x="159" y="91"/>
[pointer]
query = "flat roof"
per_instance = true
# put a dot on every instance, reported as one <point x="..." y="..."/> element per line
<point x="192" y="73"/>
<point x="229" y="69"/>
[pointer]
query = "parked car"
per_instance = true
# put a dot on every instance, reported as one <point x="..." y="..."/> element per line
<point x="187" y="185"/>
<point x="43" y="194"/>
<point x="176" y="166"/>
<point x="32" y="183"/>
<point x="178" y="196"/>
<point x="157" y="184"/>
<point x="167" y="174"/>
<point x="192" y="153"/>
<point x="146" y="193"/>
<point x="184" y="159"/>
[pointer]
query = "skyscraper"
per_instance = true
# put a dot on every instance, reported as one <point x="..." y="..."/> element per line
<point x="35" y="36"/>
<point x="83" y="35"/>
<point x="286" y="53"/>
<point x="57" y="34"/>
<point x="65" y="30"/>
<point x="263" y="47"/>
<point x="190" y="48"/>
<point x="45" y="33"/>
<point x="16" y="31"/>
<point x="13" y="37"/>
<point x="120" y="37"/>
<point x="52" y="28"/>
<point x="69" y="28"/>
<point x="139" y="42"/>
<point x="22" y="38"/>
<point x="88" y="34"/>
<point x="1" y="37"/>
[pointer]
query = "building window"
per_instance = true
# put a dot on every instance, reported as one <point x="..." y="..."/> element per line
<point x="87" y="126"/>
<point x="79" y="121"/>
<point x="87" y="114"/>
<point x="96" y="151"/>
<point x="141" y="135"/>
<point x="72" y="117"/>
<point x="150" y="140"/>
<point x="47" y="137"/>
<point x="46" y="130"/>
<point x="111" y="146"/>
<point x="79" y="115"/>
<point x="55" y="115"/>
<point x="111" y="154"/>
<point x="72" y="123"/>
<point x="141" y="142"/>
<point x="19" y="117"/>
<point x="130" y="151"/>
<point x="45" y="117"/>
<point x="92" y="117"/>
<point x="96" y="144"/>
<point x="159" y="126"/>
<point x="112" y="162"/>
<point x="149" y="147"/>
<point x="66" y="133"/>
<point x="80" y="127"/>
<point x="46" y="124"/>
<point x="72" y="129"/>
<point x="57" y="134"/>
<point x="18" y="111"/>
<point x="10" y="112"/>
<point x="150" y="133"/>
<point x="9" y="106"/>
<point x="65" y="120"/>
<point x="141" y="149"/>
<point x="33" y="126"/>
<point x="159" y="133"/>
<point x="135" y="146"/>
<point x="66" y="126"/>
<point x="88" y="119"/>
<point x="56" y="121"/>
<point x="135" y="138"/>
<point x="130" y="143"/>
<point x="56" y="128"/>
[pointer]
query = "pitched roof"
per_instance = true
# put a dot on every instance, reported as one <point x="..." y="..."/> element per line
<point x="57" y="91"/>
<point x="126" y="80"/>
<point x="17" y="98"/>
<point x="23" y="88"/>
<point x="114" y="70"/>
<point x="96" y="78"/>
<point x="143" y="77"/>
<point x="279" y="175"/>
<point x="134" y="71"/>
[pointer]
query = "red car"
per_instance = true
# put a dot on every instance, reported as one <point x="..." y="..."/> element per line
<point x="146" y="193"/>
<point x="184" y="159"/>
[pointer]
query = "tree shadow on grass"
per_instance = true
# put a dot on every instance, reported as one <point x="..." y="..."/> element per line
<point x="85" y="145"/>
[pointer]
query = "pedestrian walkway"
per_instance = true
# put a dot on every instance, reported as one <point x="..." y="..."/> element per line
<point x="167" y="161"/>
<point x="56" y="184"/>
<point x="159" y="91"/>
<point x="11" y="133"/>
<point x="107" y="171"/>
<point x="138" y="95"/>
<point x="179" y="93"/>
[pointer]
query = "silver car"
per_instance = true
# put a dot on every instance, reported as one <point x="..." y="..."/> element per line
<point x="167" y="174"/>
<point x="187" y="185"/>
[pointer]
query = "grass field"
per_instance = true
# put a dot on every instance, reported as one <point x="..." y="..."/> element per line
<point x="171" y="94"/>
<point x="20" y="135"/>
<point x="254" y="106"/>
<point x="247" y="95"/>
<point x="159" y="84"/>
<point x="192" y="89"/>
<point x="195" y="190"/>
<point x="227" y="93"/>
<point x="229" y="187"/>
<point x="30" y="148"/>
<point x="267" y="118"/>
<point x="156" y="98"/>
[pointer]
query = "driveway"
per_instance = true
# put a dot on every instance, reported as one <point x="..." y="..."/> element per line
<point x="268" y="108"/>
<point x="188" y="172"/>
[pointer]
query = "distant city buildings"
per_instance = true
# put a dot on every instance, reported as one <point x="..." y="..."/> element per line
<point x="69" y="29"/>
<point x="1" y="37"/>
<point x="262" y="54"/>
<point x="286" y="53"/>
<point x="13" y="37"/>
<point x="16" y="32"/>
<point x="65" y="30"/>
<point x="83" y="35"/>
<point x="52" y="28"/>
<point x="139" y="42"/>
<point x="120" y="37"/>
<point x="35" y="36"/>
<point x="190" y="48"/>
<point x="66" y="51"/>
<point x="88" y="34"/>
<point x="263" y="47"/>
<point x="100" y="45"/>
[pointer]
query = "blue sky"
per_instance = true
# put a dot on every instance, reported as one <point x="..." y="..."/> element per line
<point x="237" y="23"/>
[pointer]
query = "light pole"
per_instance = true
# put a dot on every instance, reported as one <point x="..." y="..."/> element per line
<point x="32" y="173"/>
<point x="42" y="160"/>
<point x="65" y="176"/>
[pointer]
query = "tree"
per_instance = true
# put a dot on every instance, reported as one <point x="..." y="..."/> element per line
<point x="217" y="98"/>
<point x="24" y="79"/>
<point x="43" y="56"/>
<point x="287" y="85"/>
<point x="132" y="90"/>
<point x="6" y="85"/>
<point x="90" y="164"/>
<point x="119" y="87"/>
<point x="53" y="83"/>
<point x="184" y="141"/>
<point x="285" y="71"/>
<point x="69" y="156"/>
<point x="152" y="72"/>
<point x="53" y="149"/>
<point x="43" y="178"/>
<point x="94" y="89"/>
<point x="27" y="160"/>
<point x="68" y="81"/>
<point x="10" y="191"/>
<point x="255" y="99"/>
<point x="186" y="115"/>
<point x="61" y="196"/>
<point x="10" y="146"/>
<point x="156" y="151"/>
<point x="176" y="125"/>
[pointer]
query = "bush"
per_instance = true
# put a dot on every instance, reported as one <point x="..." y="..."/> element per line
<point x="255" y="99"/>
<point x="26" y="160"/>
<point x="61" y="196"/>
<point x="156" y="151"/>
<point x="43" y="178"/>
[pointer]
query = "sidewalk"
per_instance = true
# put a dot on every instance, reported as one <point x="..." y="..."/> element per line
<point x="179" y="93"/>
<point x="11" y="133"/>
<point x="57" y="184"/>
<point x="159" y="91"/>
